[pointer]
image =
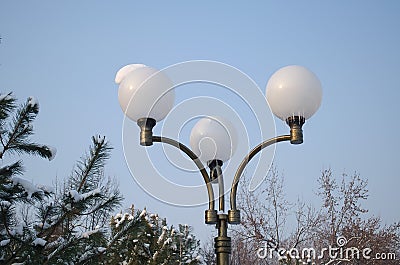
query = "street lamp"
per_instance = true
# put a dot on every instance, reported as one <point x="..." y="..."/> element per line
<point x="146" y="96"/>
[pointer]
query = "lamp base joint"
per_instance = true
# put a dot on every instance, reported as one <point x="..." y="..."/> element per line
<point x="296" y="132"/>
<point x="146" y="130"/>
<point x="211" y="217"/>
<point x="234" y="217"/>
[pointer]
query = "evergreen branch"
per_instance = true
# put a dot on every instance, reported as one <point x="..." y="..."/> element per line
<point x="21" y="127"/>
<point x="99" y="152"/>
<point x="8" y="171"/>
<point x="58" y="249"/>
<point x="73" y="241"/>
<point x="5" y="218"/>
<point x="33" y="149"/>
<point x="105" y="205"/>
<point x="45" y="213"/>
<point x="56" y="225"/>
<point x="7" y="104"/>
<point x="137" y="222"/>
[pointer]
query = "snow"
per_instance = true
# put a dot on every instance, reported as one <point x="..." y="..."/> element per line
<point x="124" y="71"/>
<point x="75" y="195"/>
<point x="143" y="213"/>
<point x="32" y="102"/>
<point x="5" y="204"/>
<point x="18" y="230"/>
<point x="120" y="218"/>
<point x="39" y="241"/>
<point x="99" y="139"/>
<point x="90" y="193"/>
<point x="118" y="215"/>
<point x="53" y="151"/>
<point x="4" y="242"/>
<point x="44" y="226"/>
<point x="101" y="249"/>
<point x="28" y="186"/>
<point x="5" y="97"/>
<point x="89" y="233"/>
<point x="161" y="237"/>
<point x="135" y="241"/>
<point x="78" y="197"/>
<point x="168" y="241"/>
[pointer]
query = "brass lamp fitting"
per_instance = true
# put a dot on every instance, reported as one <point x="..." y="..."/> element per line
<point x="211" y="217"/>
<point x="296" y="132"/>
<point x="234" y="217"/>
<point x="215" y="169"/>
<point x="146" y="130"/>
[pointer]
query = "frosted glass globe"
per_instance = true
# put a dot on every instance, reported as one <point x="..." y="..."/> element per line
<point x="294" y="91"/>
<point x="144" y="92"/>
<point x="213" y="138"/>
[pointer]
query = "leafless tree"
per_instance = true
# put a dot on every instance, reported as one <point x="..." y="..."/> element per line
<point x="347" y="227"/>
<point x="261" y="237"/>
<point x="337" y="232"/>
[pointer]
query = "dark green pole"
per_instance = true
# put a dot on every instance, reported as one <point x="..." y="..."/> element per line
<point x="222" y="241"/>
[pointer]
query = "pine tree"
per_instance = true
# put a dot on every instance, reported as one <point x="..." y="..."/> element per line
<point x="141" y="238"/>
<point x="70" y="224"/>
<point x="16" y="237"/>
<point x="40" y="225"/>
<point x="75" y="224"/>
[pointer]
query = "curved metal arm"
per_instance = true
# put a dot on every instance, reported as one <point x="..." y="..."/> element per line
<point x="247" y="159"/>
<point x="196" y="160"/>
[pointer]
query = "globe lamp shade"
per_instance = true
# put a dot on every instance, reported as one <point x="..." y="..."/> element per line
<point x="144" y="92"/>
<point x="213" y="138"/>
<point x="294" y="91"/>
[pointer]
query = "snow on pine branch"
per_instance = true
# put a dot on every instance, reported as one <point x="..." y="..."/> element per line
<point x="87" y="234"/>
<point x="4" y="242"/>
<point x="32" y="102"/>
<point x="29" y="187"/>
<point x="52" y="150"/>
<point x="39" y="241"/>
<point x="5" y="97"/>
<point x="162" y="236"/>
<point x="120" y="218"/>
<point x="143" y="213"/>
<point x="76" y="196"/>
<point x="5" y="204"/>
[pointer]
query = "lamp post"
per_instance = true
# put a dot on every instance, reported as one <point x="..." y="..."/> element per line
<point x="293" y="92"/>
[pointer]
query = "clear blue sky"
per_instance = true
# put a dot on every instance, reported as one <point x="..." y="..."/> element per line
<point x="66" y="54"/>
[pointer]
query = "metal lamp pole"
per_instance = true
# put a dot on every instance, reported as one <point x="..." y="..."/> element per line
<point x="293" y="100"/>
<point x="222" y="241"/>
